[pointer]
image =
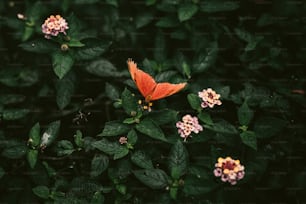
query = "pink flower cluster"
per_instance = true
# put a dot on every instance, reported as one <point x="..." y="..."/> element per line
<point x="209" y="98"/>
<point x="188" y="125"/>
<point x="229" y="170"/>
<point x="54" y="25"/>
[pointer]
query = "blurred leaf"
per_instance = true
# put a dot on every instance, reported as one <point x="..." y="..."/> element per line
<point x="75" y="43"/>
<point x="50" y="134"/>
<point x="34" y="135"/>
<point x="92" y="49"/>
<point x="75" y="25"/>
<point x="2" y="172"/>
<point x="160" y="47"/>
<point x="98" y="165"/>
<point x="40" y="46"/>
<point x="143" y="19"/>
<point x="167" y="22"/>
<point x="65" y="88"/>
<point x="161" y="117"/>
<point x="111" y="148"/>
<point x="245" y="114"/>
<point x="150" y="128"/>
<point x="129" y="102"/>
<point x="78" y="138"/>
<point x="27" y="33"/>
<point x="142" y="160"/>
<point x="113" y="128"/>
<point x="97" y="198"/>
<point x="64" y="147"/>
<point x="153" y="178"/>
<point x="197" y="186"/>
<point x="205" y="118"/>
<point x="103" y="68"/>
<point x="223" y="127"/>
<point x="14" y="152"/>
<point x="267" y="126"/>
<point x="11" y="98"/>
<point x="186" y="11"/>
<point x="112" y="2"/>
<point x="17" y="77"/>
<point x="178" y="160"/>
<point x="205" y="59"/>
<point x="249" y="138"/>
<point x="194" y="101"/>
<point x="32" y="157"/>
<point x="41" y="191"/>
<point x="212" y="6"/>
<point x="14" y="114"/>
<point x="85" y="1"/>
<point x="62" y="63"/>
<point x="111" y="91"/>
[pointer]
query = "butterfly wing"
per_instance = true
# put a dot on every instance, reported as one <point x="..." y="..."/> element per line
<point x="163" y="90"/>
<point x="144" y="82"/>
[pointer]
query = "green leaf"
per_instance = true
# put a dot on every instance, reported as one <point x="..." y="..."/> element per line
<point x="39" y="46"/>
<point x="19" y="77"/>
<point x="153" y="178"/>
<point x="186" y="11"/>
<point x="132" y="137"/>
<point x="75" y="43"/>
<point x="14" y="114"/>
<point x="150" y="128"/>
<point x="75" y="26"/>
<point x="98" y="164"/>
<point x="111" y="91"/>
<point x="205" y="59"/>
<point x="142" y="160"/>
<point x="2" y="172"/>
<point x="143" y="19"/>
<point x="103" y="68"/>
<point x="205" y="118"/>
<point x="245" y="114"/>
<point x="64" y="147"/>
<point x="41" y="191"/>
<point x="222" y="127"/>
<point x="178" y="160"/>
<point x="32" y="157"/>
<point x="113" y="128"/>
<point x="111" y="148"/>
<point x="97" y="198"/>
<point x="194" y="186"/>
<point x="6" y="99"/>
<point x="34" y="135"/>
<point x="27" y="33"/>
<point x="194" y="101"/>
<point x="65" y="88"/>
<point x="50" y="134"/>
<point x="129" y="102"/>
<point x="164" y="116"/>
<point x="160" y="49"/>
<point x="92" y="49"/>
<point x="112" y="2"/>
<point x="85" y="1"/>
<point x="14" y="152"/>
<point x="267" y="126"/>
<point x="249" y="139"/>
<point x="62" y="63"/>
<point x="78" y="138"/>
<point x="167" y="22"/>
<point x="212" y="6"/>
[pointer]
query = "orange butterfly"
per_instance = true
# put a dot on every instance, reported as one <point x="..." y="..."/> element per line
<point x="148" y="87"/>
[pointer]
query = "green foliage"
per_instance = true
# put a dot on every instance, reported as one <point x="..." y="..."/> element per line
<point x="73" y="128"/>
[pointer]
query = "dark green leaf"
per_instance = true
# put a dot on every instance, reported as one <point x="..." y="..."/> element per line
<point x="103" y="68"/>
<point x="206" y="59"/>
<point x="186" y="11"/>
<point x="14" y="114"/>
<point x="14" y="152"/>
<point x="113" y="128"/>
<point x="62" y="63"/>
<point x="197" y="186"/>
<point x="142" y="160"/>
<point x="111" y="91"/>
<point x="64" y="147"/>
<point x="167" y="22"/>
<point x="249" y="138"/>
<point x="111" y="148"/>
<point x="2" y="172"/>
<point x="205" y="118"/>
<point x="41" y="191"/>
<point x="143" y="19"/>
<point x="213" y="6"/>
<point x="194" y="101"/>
<point x="112" y="2"/>
<point x="267" y="126"/>
<point x="40" y="46"/>
<point x="34" y="135"/>
<point x="160" y="48"/>
<point x="163" y="116"/>
<point x="18" y="77"/>
<point x="11" y="98"/>
<point x="75" y="43"/>
<point x="132" y="137"/>
<point x="32" y="157"/>
<point x="97" y="198"/>
<point x="98" y="164"/>
<point x="153" y="178"/>
<point x="85" y="1"/>
<point x="178" y="160"/>
<point x="92" y="49"/>
<point x="50" y="134"/>
<point x="223" y="127"/>
<point x="150" y="128"/>
<point x="245" y="114"/>
<point x="78" y="138"/>
<point x="129" y="102"/>
<point x="65" y="89"/>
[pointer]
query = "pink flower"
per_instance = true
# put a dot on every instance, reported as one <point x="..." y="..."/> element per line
<point x="209" y="98"/>
<point x="188" y="125"/>
<point x="122" y="140"/>
<point x="229" y="170"/>
<point x="54" y="25"/>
